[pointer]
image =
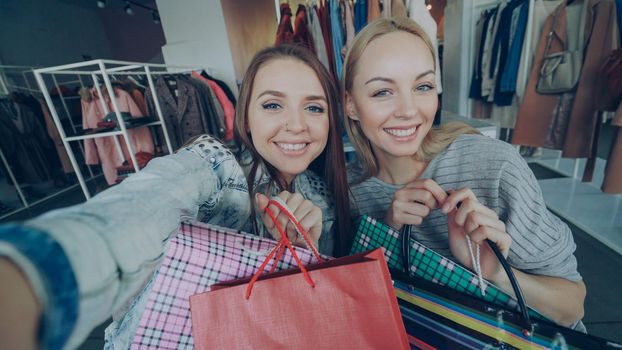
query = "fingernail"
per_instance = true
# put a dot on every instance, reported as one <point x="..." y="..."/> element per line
<point x="446" y="208"/>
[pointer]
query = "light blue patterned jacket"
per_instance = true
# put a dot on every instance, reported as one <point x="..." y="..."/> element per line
<point x="114" y="242"/>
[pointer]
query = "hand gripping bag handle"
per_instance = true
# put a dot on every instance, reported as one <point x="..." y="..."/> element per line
<point x="405" y="238"/>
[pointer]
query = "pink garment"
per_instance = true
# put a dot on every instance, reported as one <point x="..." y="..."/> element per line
<point x="227" y="105"/>
<point x="103" y="149"/>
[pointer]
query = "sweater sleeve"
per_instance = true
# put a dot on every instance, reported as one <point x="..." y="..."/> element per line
<point x="541" y="243"/>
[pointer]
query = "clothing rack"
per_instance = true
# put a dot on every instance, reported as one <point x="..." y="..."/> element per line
<point x="6" y="86"/>
<point x="102" y="71"/>
<point x="479" y="6"/>
<point x="16" y="78"/>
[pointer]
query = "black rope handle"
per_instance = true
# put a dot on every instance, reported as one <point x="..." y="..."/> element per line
<point x="515" y="286"/>
<point x="406" y="233"/>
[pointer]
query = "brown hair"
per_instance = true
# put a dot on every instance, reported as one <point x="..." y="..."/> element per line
<point x="330" y="164"/>
<point x="436" y="140"/>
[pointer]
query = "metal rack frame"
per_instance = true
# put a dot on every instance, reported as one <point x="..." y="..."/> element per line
<point x="29" y="85"/>
<point x="104" y="70"/>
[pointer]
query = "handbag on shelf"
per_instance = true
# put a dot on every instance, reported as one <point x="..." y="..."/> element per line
<point x="198" y="256"/>
<point x="345" y="303"/>
<point x="560" y="71"/>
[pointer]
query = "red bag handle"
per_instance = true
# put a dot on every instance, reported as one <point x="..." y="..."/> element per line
<point x="284" y="243"/>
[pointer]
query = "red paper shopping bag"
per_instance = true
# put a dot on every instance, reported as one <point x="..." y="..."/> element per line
<point x="352" y="305"/>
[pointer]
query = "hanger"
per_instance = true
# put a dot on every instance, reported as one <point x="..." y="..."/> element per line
<point x="135" y="81"/>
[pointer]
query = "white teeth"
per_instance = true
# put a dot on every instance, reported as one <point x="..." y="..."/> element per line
<point x="401" y="132"/>
<point x="292" y="146"/>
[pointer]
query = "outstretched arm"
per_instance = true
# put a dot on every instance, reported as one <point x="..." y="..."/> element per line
<point x="21" y="310"/>
<point x="111" y="244"/>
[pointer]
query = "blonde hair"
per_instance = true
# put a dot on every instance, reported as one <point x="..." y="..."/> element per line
<point x="436" y="140"/>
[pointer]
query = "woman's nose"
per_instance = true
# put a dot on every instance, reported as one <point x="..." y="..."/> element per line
<point x="295" y="122"/>
<point x="406" y="107"/>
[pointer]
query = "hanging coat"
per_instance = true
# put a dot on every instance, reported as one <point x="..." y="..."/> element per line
<point x="227" y="106"/>
<point x="285" y="32"/>
<point x="302" y="34"/>
<point x="103" y="149"/>
<point x="56" y="138"/>
<point x="539" y="115"/>
<point x="613" y="171"/>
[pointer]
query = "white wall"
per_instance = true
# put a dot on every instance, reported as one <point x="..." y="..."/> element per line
<point x="455" y="57"/>
<point x="46" y="33"/>
<point x="196" y="35"/>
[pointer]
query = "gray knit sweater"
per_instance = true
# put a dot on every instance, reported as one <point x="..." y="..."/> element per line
<point x="501" y="180"/>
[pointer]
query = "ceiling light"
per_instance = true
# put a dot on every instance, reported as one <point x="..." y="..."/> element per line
<point x="128" y="9"/>
<point x="156" y="17"/>
<point x="101" y="3"/>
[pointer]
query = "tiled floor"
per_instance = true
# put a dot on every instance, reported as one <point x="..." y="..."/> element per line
<point x="584" y="204"/>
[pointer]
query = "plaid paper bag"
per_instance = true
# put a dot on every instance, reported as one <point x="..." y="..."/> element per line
<point x="199" y="256"/>
<point x="428" y="264"/>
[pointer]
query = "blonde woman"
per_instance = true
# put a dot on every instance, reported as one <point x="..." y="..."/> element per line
<point x="449" y="183"/>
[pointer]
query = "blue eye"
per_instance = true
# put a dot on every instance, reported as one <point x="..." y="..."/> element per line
<point x="426" y="87"/>
<point x="315" y="109"/>
<point x="271" y="105"/>
<point x="381" y="93"/>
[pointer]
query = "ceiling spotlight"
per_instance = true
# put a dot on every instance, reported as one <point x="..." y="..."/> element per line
<point x="128" y="8"/>
<point x="101" y="4"/>
<point x="156" y="17"/>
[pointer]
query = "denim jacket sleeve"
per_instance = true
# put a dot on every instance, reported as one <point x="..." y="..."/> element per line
<point x="114" y="241"/>
<point x="314" y="189"/>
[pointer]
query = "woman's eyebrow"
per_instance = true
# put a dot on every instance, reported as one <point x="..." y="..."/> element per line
<point x="388" y="80"/>
<point x="272" y="92"/>
<point x="315" y="98"/>
<point x="379" y="79"/>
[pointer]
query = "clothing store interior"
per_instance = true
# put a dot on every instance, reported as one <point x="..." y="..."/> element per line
<point x="176" y="69"/>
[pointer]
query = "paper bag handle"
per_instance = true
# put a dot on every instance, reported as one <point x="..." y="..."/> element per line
<point x="284" y="243"/>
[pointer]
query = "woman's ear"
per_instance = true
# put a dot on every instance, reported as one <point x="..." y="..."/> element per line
<point x="350" y="108"/>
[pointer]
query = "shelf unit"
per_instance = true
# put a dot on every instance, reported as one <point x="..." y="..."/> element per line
<point x="15" y="78"/>
<point x="102" y="71"/>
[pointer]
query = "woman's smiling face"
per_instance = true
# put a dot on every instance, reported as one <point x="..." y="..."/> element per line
<point x="288" y="116"/>
<point x="393" y="94"/>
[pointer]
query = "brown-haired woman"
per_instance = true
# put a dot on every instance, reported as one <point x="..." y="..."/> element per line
<point x="450" y="184"/>
<point x="106" y="249"/>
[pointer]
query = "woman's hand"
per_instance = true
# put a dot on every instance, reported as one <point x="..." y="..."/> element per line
<point x="414" y="202"/>
<point x="308" y="215"/>
<point x="467" y="216"/>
